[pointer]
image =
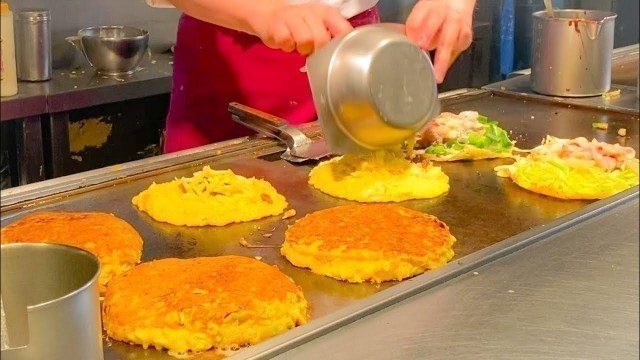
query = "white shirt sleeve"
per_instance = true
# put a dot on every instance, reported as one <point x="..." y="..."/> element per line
<point x="348" y="8"/>
<point x="160" y="4"/>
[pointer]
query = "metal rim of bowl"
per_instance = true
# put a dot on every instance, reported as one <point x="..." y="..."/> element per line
<point x="570" y="96"/>
<point x="116" y="73"/>
<point x="94" y="278"/>
<point x="144" y="34"/>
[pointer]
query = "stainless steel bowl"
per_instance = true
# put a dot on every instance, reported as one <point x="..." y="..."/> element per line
<point x="112" y="50"/>
<point x="373" y="88"/>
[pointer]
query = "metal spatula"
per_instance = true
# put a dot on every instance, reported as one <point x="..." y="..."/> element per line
<point x="300" y="148"/>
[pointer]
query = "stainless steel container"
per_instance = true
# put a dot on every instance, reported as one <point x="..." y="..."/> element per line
<point x="51" y="301"/>
<point x="33" y="44"/>
<point x="112" y="50"/>
<point x="373" y="88"/>
<point x="572" y="52"/>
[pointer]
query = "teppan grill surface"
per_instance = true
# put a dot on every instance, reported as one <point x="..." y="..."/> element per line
<point x="489" y="216"/>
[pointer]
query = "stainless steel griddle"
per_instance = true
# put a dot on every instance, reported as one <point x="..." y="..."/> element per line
<point x="488" y="215"/>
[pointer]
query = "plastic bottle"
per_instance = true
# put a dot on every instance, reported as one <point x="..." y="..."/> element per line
<point x="8" y="79"/>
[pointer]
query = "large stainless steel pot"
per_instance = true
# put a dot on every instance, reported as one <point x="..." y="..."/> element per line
<point x="51" y="302"/>
<point x="571" y="53"/>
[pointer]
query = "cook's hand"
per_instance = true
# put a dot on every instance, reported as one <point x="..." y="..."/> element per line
<point x="304" y="27"/>
<point x="445" y="25"/>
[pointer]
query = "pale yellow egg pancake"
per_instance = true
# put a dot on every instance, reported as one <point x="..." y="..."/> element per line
<point x="368" y="242"/>
<point x="210" y="197"/>
<point x="192" y="305"/>
<point x="112" y="240"/>
<point x="378" y="177"/>
<point x="575" y="169"/>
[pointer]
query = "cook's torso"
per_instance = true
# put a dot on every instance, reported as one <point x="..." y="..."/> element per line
<point x="348" y="8"/>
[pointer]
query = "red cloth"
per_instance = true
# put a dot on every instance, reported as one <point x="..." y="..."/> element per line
<point x="214" y="66"/>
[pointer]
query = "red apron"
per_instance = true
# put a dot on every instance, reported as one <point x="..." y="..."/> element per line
<point x="214" y="66"/>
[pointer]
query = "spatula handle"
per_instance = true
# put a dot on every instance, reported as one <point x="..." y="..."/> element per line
<point x="268" y="124"/>
<point x="251" y="114"/>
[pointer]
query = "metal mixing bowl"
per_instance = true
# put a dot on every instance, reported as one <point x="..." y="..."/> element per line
<point x="373" y="88"/>
<point x="112" y="50"/>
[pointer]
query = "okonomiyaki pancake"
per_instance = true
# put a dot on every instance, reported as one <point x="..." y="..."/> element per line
<point x="117" y="244"/>
<point x="575" y="169"/>
<point x="465" y="136"/>
<point x="378" y="177"/>
<point x="210" y="197"/>
<point x="368" y="242"/>
<point x="192" y="305"/>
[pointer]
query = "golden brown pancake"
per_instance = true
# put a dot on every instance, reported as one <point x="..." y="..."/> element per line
<point x="210" y="197"/>
<point x="192" y="305"/>
<point x="376" y="243"/>
<point x="117" y="244"/>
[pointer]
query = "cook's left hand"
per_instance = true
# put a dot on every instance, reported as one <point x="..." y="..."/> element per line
<point x="444" y="26"/>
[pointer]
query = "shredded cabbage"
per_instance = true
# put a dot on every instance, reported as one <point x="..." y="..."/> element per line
<point x="554" y="177"/>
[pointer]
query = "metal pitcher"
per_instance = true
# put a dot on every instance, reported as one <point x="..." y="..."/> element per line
<point x="572" y="52"/>
<point x="50" y="298"/>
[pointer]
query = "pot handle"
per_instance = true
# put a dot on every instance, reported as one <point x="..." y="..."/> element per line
<point x="75" y="41"/>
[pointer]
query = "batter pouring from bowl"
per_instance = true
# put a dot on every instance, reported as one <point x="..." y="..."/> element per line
<point x="251" y="52"/>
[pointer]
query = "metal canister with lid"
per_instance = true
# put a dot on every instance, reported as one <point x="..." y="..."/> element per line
<point x="33" y="44"/>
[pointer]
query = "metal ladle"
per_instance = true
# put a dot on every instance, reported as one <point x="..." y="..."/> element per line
<point x="549" y="7"/>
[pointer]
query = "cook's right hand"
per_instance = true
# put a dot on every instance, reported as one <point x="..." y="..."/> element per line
<point x="304" y="27"/>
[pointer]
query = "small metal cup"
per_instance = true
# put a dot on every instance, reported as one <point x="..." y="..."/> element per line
<point x="51" y="300"/>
